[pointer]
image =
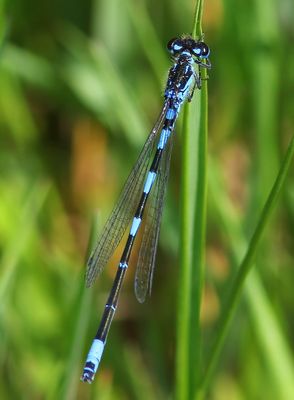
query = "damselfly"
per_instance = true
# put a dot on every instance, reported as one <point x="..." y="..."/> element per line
<point x="189" y="56"/>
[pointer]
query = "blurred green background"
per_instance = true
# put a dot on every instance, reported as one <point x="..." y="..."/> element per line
<point x="81" y="84"/>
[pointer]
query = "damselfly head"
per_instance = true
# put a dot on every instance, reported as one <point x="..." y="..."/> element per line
<point x="196" y="48"/>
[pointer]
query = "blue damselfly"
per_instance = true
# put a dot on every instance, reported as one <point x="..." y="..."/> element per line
<point x="189" y="56"/>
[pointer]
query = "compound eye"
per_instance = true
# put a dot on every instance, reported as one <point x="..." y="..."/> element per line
<point x="197" y="50"/>
<point x="201" y="50"/>
<point x="175" y="45"/>
<point x="205" y="50"/>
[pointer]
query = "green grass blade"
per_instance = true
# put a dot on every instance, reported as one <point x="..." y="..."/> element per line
<point x="17" y="245"/>
<point x="186" y="235"/>
<point x="199" y="240"/>
<point x="247" y="263"/>
<point x="193" y="220"/>
<point x="84" y="298"/>
<point x="276" y="351"/>
<point x="271" y="340"/>
<point x="148" y="38"/>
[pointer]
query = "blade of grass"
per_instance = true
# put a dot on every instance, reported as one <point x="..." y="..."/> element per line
<point x="30" y="67"/>
<point x="276" y="351"/>
<point x="148" y="38"/>
<point x="193" y="217"/>
<point x="265" y="70"/>
<point x="273" y="344"/>
<point x="70" y="381"/>
<point x="247" y="263"/>
<point x="93" y="61"/>
<point x="199" y="226"/>
<point x="198" y="249"/>
<point x="186" y="240"/>
<point x="14" y="250"/>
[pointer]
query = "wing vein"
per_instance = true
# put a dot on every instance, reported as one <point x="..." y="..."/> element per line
<point x="148" y="249"/>
<point x="125" y="207"/>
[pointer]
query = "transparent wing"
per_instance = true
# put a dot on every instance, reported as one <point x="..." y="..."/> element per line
<point x="148" y="249"/>
<point x="125" y="207"/>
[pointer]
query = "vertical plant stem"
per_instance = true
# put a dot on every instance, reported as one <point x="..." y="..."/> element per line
<point x="199" y="239"/>
<point x="199" y="233"/>
<point x="183" y="319"/>
<point x="70" y="383"/>
<point x="193" y="198"/>
<point x="238" y="283"/>
<point x="197" y="24"/>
